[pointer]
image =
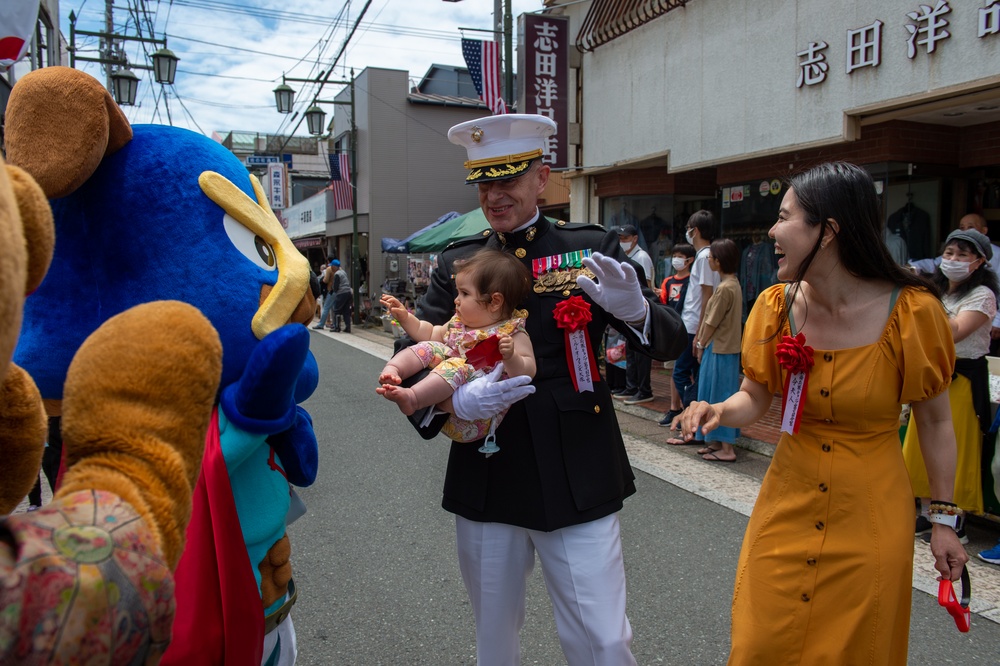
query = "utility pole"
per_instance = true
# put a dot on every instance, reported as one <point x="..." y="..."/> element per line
<point x="508" y="51"/>
<point x="109" y="44"/>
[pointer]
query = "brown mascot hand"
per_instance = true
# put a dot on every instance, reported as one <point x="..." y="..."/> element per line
<point x="22" y="436"/>
<point x="136" y="406"/>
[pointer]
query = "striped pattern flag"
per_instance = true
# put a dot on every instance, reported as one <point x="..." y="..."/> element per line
<point x="340" y="182"/>
<point x="483" y="61"/>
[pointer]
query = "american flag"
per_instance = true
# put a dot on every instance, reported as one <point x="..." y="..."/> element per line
<point x="483" y="60"/>
<point x="340" y="181"/>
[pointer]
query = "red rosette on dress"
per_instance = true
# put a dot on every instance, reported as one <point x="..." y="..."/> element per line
<point x="797" y="358"/>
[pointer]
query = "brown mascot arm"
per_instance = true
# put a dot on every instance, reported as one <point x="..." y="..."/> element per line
<point x="136" y="406"/>
<point x="22" y="436"/>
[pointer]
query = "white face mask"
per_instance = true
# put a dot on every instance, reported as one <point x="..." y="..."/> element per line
<point x="678" y="263"/>
<point x="956" y="271"/>
<point x="626" y="247"/>
<point x="689" y="235"/>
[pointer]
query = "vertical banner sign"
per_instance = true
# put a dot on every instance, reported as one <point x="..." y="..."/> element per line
<point x="545" y="73"/>
<point x="276" y="184"/>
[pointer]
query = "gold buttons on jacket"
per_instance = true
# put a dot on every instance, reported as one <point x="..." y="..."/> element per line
<point x="597" y="409"/>
<point x="520" y="252"/>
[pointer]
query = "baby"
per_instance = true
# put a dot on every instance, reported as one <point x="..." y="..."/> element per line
<point x="482" y="333"/>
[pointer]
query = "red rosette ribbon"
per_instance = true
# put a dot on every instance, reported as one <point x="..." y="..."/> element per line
<point x="797" y="358"/>
<point x="572" y="315"/>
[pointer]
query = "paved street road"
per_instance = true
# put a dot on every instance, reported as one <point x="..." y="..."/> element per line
<point x="379" y="582"/>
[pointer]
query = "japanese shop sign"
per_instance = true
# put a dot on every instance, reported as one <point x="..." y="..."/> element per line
<point x="545" y="71"/>
<point x="276" y="184"/>
<point x="925" y="25"/>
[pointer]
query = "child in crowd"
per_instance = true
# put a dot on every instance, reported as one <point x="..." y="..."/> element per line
<point x="674" y="288"/>
<point x="483" y="332"/>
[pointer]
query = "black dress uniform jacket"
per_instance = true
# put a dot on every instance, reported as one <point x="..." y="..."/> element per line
<point x="562" y="460"/>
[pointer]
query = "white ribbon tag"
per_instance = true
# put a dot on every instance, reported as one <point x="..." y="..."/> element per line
<point x="581" y="360"/>
<point x="793" y="398"/>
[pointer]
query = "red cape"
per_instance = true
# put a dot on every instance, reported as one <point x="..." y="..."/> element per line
<point x="220" y="617"/>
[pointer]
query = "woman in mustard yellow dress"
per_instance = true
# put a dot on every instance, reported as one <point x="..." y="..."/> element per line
<point x="824" y="574"/>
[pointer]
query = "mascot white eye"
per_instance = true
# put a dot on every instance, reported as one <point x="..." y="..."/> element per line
<point x="251" y="245"/>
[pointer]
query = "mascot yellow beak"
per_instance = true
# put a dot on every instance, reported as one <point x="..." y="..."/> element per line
<point x="280" y="303"/>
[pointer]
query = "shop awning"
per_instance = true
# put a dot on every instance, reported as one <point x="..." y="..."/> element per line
<point x="438" y="238"/>
<point x="610" y="19"/>
<point x="403" y="246"/>
<point x="305" y="243"/>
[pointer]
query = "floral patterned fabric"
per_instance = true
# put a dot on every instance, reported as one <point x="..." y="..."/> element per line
<point x="447" y="359"/>
<point x="82" y="581"/>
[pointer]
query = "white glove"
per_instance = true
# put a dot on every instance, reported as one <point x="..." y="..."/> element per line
<point x="487" y="396"/>
<point x="617" y="288"/>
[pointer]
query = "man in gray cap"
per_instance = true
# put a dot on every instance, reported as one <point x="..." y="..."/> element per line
<point x="561" y="473"/>
<point x="637" y="365"/>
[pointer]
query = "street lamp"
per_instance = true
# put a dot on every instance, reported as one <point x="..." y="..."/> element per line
<point x="315" y="119"/>
<point x="164" y="66"/>
<point x="284" y="96"/>
<point x="123" y="82"/>
<point x="124" y="85"/>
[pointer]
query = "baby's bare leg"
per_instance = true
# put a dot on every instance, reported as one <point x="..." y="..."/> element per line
<point x="428" y="391"/>
<point x="404" y="364"/>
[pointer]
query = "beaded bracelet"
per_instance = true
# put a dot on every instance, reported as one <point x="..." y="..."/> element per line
<point x="946" y="508"/>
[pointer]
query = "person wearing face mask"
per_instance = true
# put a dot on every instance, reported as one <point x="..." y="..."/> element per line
<point x="970" y="288"/>
<point x="977" y="222"/>
<point x="637" y="366"/>
<point x="673" y="291"/>
<point x="701" y="230"/>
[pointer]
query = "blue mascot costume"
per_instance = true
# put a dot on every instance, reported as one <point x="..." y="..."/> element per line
<point x="151" y="213"/>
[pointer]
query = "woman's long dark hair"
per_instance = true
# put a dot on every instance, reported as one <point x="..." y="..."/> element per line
<point x="983" y="275"/>
<point x="846" y="193"/>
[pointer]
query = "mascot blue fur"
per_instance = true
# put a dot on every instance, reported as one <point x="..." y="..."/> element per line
<point x="151" y="213"/>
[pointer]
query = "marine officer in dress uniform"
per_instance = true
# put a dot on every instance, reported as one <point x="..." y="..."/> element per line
<point x="561" y="473"/>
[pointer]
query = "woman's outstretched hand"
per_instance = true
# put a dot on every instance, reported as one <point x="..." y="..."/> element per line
<point x="699" y="414"/>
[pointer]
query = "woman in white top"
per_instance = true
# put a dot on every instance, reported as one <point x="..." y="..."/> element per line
<point x="969" y="287"/>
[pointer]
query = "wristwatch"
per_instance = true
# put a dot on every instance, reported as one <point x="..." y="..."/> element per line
<point x="698" y="345"/>
<point x="944" y="519"/>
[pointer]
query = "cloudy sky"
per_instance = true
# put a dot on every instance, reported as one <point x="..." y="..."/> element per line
<point x="233" y="53"/>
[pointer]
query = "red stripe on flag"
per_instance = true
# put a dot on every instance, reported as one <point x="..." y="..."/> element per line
<point x="342" y="195"/>
<point x="483" y="60"/>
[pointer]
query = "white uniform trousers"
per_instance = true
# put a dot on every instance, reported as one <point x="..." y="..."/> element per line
<point x="585" y="575"/>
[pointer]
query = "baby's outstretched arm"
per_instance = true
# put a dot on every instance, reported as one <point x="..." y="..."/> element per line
<point x="518" y="354"/>
<point x="419" y="331"/>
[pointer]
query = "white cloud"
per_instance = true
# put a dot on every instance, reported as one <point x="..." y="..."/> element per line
<point x="409" y="35"/>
